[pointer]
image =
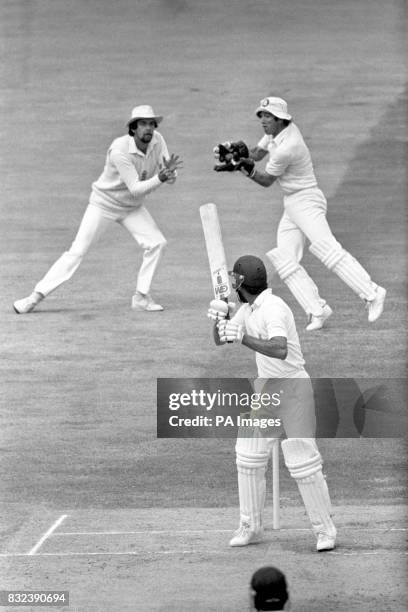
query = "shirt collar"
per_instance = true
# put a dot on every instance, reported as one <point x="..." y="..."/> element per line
<point x="261" y="298"/>
<point x="282" y="135"/>
<point x="133" y="148"/>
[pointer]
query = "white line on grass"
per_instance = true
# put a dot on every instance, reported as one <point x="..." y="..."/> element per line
<point x="192" y="531"/>
<point x="219" y="551"/>
<point x="47" y="534"/>
<point x="143" y="532"/>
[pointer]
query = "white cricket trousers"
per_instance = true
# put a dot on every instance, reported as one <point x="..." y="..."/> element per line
<point x="304" y="218"/>
<point x="139" y="223"/>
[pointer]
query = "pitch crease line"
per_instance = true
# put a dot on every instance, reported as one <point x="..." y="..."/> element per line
<point x="47" y="534"/>
<point x="192" y="531"/>
<point x="177" y="552"/>
<point x="142" y="532"/>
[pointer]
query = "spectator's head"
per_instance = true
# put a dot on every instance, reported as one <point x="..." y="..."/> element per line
<point x="269" y="590"/>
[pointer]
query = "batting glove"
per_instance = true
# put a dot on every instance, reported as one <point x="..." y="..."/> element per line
<point x="218" y="310"/>
<point x="229" y="331"/>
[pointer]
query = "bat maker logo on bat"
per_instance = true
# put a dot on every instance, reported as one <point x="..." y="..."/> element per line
<point x="221" y="288"/>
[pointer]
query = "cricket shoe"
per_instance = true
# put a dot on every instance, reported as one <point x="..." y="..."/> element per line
<point x="145" y="302"/>
<point x="376" y="306"/>
<point x="27" y="304"/>
<point x="244" y="535"/>
<point x="325" y="542"/>
<point x="315" y="322"/>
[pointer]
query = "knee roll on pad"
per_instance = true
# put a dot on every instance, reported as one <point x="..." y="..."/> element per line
<point x="252" y="452"/>
<point x="330" y="252"/>
<point x="301" y="457"/>
<point x="252" y="461"/>
<point x="284" y="264"/>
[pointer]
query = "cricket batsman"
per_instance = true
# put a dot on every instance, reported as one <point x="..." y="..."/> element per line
<point x="136" y="164"/>
<point x="265" y="324"/>
<point x="304" y="216"/>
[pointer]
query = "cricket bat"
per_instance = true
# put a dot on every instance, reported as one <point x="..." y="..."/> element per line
<point x="215" y="251"/>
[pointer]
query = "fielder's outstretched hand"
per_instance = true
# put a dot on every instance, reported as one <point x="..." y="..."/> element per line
<point x="169" y="168"/>
<point x="229" y="331"/>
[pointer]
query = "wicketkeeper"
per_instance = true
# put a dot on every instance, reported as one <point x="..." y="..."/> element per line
<point x="304" y="216"/>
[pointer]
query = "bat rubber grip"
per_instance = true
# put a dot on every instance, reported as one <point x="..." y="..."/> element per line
<point x="228" y="317"/>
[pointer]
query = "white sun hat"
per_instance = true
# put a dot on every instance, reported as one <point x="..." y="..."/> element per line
<point x="276" y="106"/>
<point x="144" y="111"/>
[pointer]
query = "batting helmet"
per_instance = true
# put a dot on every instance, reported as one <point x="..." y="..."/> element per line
<point x="249" y="272"/>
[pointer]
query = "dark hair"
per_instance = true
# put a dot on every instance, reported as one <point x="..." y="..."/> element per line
<point x="285" y="122"/>
<point x="270" y="588"/>
<point x="133" y="126"/>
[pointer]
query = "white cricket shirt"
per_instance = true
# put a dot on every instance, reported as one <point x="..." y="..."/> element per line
<point x="129" y="174"/>
<point x="270" y="316"/>
<point x="289" y="159"/>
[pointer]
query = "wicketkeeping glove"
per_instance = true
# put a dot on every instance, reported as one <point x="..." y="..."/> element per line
<point x="247" y="166"/>
<point x="229" y="154"/>
<point x="229" y="331"/>
<point x="223" y="145"/>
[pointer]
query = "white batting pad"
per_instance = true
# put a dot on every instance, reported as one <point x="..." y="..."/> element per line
<point x="298" y="281"/>
<point x="304" y="463"/>
<point x="252" y="452"/>
<point x="252" y="491"/>
<point x="252" y="455"/>
<point x="337" y="259"/>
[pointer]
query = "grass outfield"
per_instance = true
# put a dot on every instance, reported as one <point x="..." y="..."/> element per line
<point x="79" y="374"/>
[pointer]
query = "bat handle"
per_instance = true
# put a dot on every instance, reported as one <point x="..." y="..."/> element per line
<point x="227" y="317"/>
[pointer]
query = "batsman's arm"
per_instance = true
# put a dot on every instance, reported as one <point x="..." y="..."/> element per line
<point x="276" y="347"/>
